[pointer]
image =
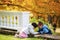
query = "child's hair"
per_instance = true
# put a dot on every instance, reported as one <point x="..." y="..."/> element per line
<point x="40" y="23"/>
<point x="34" y="25"/>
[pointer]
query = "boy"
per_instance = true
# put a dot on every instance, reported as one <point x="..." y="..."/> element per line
<point x="43" y="29"/>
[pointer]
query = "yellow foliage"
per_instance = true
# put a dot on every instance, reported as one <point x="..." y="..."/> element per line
<point x="41" y="6"/>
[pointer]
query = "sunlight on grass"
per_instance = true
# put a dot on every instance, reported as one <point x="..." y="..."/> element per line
<point x="10" y="37"/>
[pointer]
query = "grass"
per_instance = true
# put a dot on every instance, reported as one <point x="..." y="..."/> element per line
<point x="11" y="37"/>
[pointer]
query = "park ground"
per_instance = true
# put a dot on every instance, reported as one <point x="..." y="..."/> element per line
<point x="11" y="37"/>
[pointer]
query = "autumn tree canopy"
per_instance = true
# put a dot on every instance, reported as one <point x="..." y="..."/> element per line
<point x="40" y="6"/>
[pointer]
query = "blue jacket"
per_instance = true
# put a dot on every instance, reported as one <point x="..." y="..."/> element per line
<point x="44" y="30"/>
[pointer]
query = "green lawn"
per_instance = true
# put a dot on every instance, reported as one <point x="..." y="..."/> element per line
<point x="11" y="37"/>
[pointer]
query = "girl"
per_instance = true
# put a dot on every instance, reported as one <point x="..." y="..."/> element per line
<point x="25" y="32"/>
